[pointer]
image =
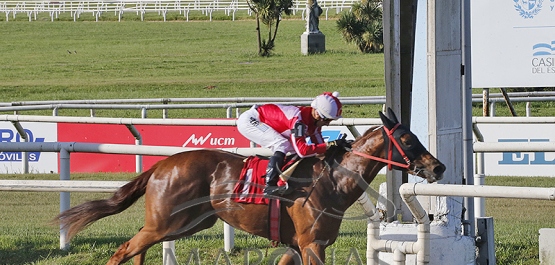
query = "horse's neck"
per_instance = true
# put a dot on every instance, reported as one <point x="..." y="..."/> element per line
<point x="356" y="172"/>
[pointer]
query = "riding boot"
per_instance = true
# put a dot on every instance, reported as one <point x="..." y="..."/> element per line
<point x="272" y="173"/>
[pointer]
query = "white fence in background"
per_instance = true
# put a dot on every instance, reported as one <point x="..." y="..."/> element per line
<point x="76" y="9"/>
<point x="166" y="104"/>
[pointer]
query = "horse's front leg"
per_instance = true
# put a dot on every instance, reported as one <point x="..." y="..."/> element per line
<point x="314" y="254"/>
<point x="139" y="259"/>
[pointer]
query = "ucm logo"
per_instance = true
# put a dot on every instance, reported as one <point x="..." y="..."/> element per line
<point x="7" y="135"/>
<point x="214" y="141"/>
<point x="518" y="158"/>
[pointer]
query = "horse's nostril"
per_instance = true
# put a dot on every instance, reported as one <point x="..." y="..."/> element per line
<point x="439" y="169"/>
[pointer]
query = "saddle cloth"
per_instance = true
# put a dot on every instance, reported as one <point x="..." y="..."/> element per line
<point x="250" y="187"/>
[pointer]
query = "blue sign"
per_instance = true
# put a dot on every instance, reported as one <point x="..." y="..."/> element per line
<point x="518" y="158"/>
<point x="9" y="136"/>
<point x="328" y="135"/>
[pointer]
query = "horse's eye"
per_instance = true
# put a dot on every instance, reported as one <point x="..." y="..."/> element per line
<point x="407" y="141"/>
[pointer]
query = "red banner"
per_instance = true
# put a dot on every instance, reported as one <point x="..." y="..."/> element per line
<point x="186" y="136"/>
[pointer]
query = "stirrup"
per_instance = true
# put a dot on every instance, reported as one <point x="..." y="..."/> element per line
<point x="275" y="190"/>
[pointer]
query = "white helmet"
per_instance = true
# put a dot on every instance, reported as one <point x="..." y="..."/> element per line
<point x="328" y="105"/>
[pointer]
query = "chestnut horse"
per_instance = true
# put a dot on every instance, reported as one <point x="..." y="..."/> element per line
<point x="187" y="192"/>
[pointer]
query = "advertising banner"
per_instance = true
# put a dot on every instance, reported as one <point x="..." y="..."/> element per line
<point x="519" y="163"/>
<point x="513" y="43"/>
<point x="39" y="162"/>
<point x="496" y="164"/>
<point x="183" y="136"/>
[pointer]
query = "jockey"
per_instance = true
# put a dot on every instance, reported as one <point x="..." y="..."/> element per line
<point x="284" y="128"/>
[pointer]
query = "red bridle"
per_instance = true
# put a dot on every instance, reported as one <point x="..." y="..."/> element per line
<point x="392" y="141"/>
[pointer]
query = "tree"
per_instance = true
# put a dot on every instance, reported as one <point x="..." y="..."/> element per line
<point x="269" y="12"/>
<point x="363" y="26"/>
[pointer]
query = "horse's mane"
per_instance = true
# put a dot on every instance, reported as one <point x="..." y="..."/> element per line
<point x="336" y="152"/>
<point x="371" y="129"/>
<point x="367" y="132"/>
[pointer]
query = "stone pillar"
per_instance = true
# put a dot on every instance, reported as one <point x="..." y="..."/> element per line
<point x="313" y="40"/>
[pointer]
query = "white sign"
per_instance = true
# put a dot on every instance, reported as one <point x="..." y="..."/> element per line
<point x="540" y="164"/>
<point x="513" y="43"/>
<point x="39" y="162"/>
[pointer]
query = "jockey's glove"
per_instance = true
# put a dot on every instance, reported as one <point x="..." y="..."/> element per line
<point x="342" y="143"/>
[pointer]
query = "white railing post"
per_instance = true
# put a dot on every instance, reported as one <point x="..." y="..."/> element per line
<point x="229" y="231"/>
<point x="168" y="253"/>
<point x="138" y="158"/>
<point x="24" y="156"/>
<point x="64" y="196"/>
<point x="479" y="179"/>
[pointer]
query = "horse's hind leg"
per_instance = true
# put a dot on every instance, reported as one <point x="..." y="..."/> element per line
<point x="136" y="246"/>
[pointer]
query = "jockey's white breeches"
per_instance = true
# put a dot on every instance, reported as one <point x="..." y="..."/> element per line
<point x="250" y="126"/>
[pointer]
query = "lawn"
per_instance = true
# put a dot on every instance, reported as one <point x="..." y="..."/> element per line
<point x="43" y="60"/>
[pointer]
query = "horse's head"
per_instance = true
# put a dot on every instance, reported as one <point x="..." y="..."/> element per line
<point x="408" y="153"/>
<point x="400" y="149"/>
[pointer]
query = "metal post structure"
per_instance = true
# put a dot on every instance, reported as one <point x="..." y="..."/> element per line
<point x="468" y="166"/>
<point x="64" y="196"/>
<point x="400" y="24"/>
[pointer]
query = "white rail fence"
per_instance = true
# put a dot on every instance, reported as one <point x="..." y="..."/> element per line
<point x="479" y="191"/>
<point x="131" y="122"/>
<point x="421" y="247"/>
<point x="166" y="104"/>
<point x="65" y="185"/>
<point x="96" y="9"/>
<point x="374" y="245"/>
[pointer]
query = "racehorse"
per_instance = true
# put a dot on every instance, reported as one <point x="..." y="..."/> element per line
<point x="187" y="192"/>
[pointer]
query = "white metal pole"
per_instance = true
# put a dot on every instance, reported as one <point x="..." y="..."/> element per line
<point x="409" y="190"/>
<point x="229" y="231"/>
<point x="229" y="237"/>
<point x="467" y="114"/>
<point x="25" y="158"/>
<point x="138" y="158"/>
<point x="423" y="242"/>
<point x="168" y="253"/>
<point x="480" y="179"/>
<point x="64" y="196"/>
<point x="398" y="257"/>
<point x="143" y="113"/>
<point x="373" y="235"/>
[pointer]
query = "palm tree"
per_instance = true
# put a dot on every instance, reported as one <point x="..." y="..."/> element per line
<point x="269" y="12"/>
<point x="363" y="26"/>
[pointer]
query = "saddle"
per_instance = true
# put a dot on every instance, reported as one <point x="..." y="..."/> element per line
<point x="250" y="186"/>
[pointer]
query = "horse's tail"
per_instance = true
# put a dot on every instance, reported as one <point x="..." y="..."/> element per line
<point x="80" y="216"/>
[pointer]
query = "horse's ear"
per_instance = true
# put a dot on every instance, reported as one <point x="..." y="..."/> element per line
<point x="391" y="115"/>
<point x="386" y="121"/>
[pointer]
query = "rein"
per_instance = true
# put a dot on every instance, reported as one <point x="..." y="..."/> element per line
<point x="392" y="141"/>
<point x="390" y="163"/>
